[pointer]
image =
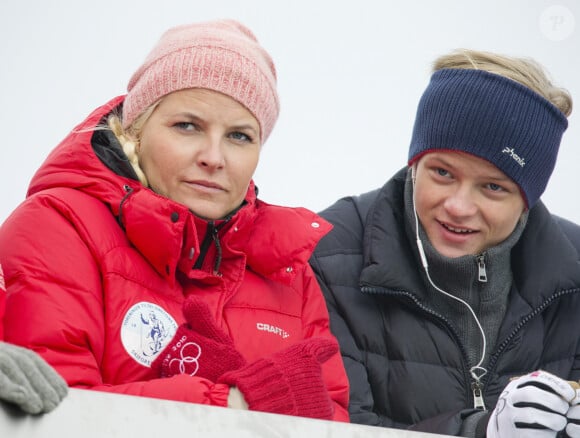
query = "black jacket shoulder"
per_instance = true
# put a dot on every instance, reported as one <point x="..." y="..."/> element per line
<point x="348" y="216"/>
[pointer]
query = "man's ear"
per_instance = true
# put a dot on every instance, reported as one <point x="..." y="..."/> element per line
<point x="413" y="171"/>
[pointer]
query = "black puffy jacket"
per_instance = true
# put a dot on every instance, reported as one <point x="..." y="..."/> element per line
<point x="406" y="366"/>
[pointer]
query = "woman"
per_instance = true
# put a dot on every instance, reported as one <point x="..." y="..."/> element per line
<point x="142" y="261"/>
<point x="450" y="287"/>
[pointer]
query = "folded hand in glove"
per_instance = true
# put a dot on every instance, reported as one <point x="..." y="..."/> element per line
<point x="199" y="347"/>
<point x="28" y="381"/>
<point x="534" y="405"/>
<point x="289" y="381"/>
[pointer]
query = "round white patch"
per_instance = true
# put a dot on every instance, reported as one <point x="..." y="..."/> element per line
<point x="557" y="23"/>
<point x="146" y="330"/>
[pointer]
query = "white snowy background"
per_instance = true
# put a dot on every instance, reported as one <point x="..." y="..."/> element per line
<point x="350" y="75"/>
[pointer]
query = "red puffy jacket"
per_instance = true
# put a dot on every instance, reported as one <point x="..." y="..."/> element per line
<point x="97" y="267"/>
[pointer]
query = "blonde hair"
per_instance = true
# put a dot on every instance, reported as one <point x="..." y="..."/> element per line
<point x="526" y="71"/>
<point x="129" y="138"/>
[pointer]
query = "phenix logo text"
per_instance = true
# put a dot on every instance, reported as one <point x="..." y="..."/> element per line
<point x="515" y="156"/>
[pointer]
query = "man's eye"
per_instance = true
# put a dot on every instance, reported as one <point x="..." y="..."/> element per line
<point x="494" y="187"/>
<point x="442" y="172"/>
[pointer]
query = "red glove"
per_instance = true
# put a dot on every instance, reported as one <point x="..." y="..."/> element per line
<point x="289" y="381"/>
<point x="199" y="347"/>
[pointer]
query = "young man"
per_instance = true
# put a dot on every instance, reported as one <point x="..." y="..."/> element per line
<point x="452" y="286"/>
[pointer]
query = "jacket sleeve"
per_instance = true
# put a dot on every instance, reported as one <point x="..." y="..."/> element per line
<point x="316" y="323"/>
<point x="471" y="423"/>
<point x="361" y="403"/>
<point x="54" y="304"/>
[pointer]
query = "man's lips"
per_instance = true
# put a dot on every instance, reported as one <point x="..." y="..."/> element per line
<point x="456" y="229"/>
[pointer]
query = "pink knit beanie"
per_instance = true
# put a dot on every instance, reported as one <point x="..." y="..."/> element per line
<point x="222" y="56"/>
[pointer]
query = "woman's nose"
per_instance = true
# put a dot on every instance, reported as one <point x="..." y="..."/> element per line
<point x="211" y="154"/>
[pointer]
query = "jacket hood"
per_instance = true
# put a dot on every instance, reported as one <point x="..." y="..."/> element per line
<point x="74" y="164"/>
<point x="273" y="239"/>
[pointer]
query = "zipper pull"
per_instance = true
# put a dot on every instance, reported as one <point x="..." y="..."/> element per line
<point x="481" y="272"/>
<point x="477" y="395"/>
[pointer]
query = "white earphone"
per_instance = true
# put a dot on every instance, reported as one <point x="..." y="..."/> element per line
<point x="425" y="264"/>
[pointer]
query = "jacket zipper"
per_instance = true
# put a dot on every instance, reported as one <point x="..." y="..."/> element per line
<point x="128" y="191"/>
<point x="211" y="235"/>
<point x="207" y="240"/>
<point x="476" y="385"/>
<point x="477" y="388"/>
<point x="481" y="271"/>
<point x="495" y="357"/>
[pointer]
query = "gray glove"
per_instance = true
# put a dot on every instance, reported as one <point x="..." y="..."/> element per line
<point x="28" y="381"/>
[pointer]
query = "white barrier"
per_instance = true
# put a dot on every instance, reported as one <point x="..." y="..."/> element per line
<point x="92" y="414"/>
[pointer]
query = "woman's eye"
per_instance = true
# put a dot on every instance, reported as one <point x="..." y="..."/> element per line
<point x="186" y="126"/>
<point x="442" y="172"/>
<point x="240" y="136"/>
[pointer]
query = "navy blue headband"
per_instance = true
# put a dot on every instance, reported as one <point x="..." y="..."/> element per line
<point x="494" y="118"/>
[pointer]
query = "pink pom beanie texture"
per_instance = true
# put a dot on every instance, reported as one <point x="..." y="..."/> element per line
<point x="222" y="56"/>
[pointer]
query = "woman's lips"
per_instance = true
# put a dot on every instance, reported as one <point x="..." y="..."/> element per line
<point x="207" y="186"/>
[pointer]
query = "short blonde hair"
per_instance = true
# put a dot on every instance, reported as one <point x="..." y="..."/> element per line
<point x="526" y="71"/>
